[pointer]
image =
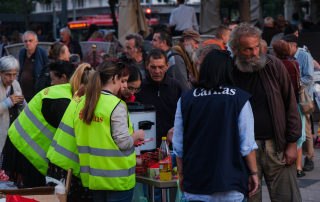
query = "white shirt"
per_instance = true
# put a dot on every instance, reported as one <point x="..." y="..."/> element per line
<point x="247" y="144"/>
<point x="184" y="18"/>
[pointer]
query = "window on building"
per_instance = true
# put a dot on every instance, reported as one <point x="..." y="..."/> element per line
<point x="58" y="5"/>
<point x="80" y="3"/>
<point x="46" y="7"/>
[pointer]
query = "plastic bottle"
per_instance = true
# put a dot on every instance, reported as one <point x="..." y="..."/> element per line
<point x="165" y="161"/>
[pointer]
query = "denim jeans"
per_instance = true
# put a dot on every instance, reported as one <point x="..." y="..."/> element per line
<point x="108" y="196"/>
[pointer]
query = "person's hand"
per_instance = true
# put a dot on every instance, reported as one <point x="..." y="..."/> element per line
<point x="181" y="183"/>
<point x="290" y="154"/>
<point x="14" y="98"/>
<point x="21" y="99"/>
<point x="169" y="136"/>
<point x="140" y="135"/>
<point x="253" y="184"/>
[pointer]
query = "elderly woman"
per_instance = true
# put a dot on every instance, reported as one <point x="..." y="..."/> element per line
<point x="12" y="102"/>
<point x="109" y="37"/>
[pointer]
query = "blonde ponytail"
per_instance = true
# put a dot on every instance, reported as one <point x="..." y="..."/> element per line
<point x="80" y="76"/>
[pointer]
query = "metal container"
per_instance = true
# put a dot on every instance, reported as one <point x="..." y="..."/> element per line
<point x="144" y="117"/>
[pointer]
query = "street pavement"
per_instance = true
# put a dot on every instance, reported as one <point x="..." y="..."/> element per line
<point x="312" y="180"/>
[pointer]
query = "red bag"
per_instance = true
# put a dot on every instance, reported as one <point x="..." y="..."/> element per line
<point x="17" y="198"/>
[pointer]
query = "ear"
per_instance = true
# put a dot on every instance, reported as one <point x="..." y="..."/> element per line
<point x="167" y="66"/>
<point x="64" y="77"/>
<point x="146" y="64"/>
<point x="185" y="41"/>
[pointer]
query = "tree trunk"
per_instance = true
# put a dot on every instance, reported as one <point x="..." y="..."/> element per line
<point x="296" y="8"/>
<point x="244" y="6"/>
<point x="112" y="4"/>
<point x="26" y="12"/>
<point x="315" y="4"/>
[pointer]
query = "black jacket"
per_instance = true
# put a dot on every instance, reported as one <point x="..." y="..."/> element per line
<point x="164" y="98"/>
<point x="75" y="47"/>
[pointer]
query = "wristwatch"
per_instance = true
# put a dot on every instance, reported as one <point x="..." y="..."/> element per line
<point x="253" y="173"/>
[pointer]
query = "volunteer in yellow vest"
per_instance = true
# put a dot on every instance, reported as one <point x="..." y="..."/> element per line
<point x="31" y="134"/>
<point x="63" y="151"/>
<point x="105" y="137"/>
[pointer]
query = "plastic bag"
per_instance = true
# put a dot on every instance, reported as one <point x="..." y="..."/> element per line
<point x="60" y="188"/>
<point x="180" y="197"/>
<point x="17" y="198"/>
<point x="138" y="195"/>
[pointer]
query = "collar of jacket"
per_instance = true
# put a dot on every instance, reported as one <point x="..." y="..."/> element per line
<point x="149" y="80"/>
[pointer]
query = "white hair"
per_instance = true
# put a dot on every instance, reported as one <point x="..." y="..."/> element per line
<point x="9" y="63"/>
<point x="30" y="32"/>
<point x="268" y="21"/>
<point x="243" y="29"/>
<point x="66" y="30"/>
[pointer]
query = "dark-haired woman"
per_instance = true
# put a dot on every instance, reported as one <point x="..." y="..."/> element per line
<point x="281" y="50"/>
<point x="58" y="51"/>
<point x="133" y="85"/>
<point x="31" y="134"/>
<point x="60" y="72"/>
<point x="102" y="124"/>
<point x="221" y="117"/>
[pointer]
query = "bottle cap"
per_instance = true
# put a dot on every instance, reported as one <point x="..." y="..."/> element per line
<point x="164" y="138"/>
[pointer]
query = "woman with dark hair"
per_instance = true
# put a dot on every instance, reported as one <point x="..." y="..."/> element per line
<point x="31" y="134"/>
<point x="59" y="51"/>
<point x="133" y="84"/>
<point x="60" y="72"/>
<point x="221" y="117"/>
<point x="281" y="50"/>
<point x="92" y="28"/>
<point x="102" y="124"/>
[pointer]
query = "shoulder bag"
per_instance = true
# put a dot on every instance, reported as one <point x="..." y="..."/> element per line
<point x="306" y="103"/>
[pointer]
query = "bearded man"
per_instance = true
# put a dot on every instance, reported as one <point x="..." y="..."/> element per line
<point x="277" y="123"/>
<point x="187" y="47"/>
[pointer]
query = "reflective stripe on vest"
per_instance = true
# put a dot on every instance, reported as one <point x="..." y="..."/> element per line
<point x="108" y="173"/>
<point x="105" y="152"/>
<point x="103" y="166"/>
<point x="63" y="151"/>
<point x="31" y="134"/>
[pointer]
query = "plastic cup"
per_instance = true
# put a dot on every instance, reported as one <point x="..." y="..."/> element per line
<point x="17" y="93"/>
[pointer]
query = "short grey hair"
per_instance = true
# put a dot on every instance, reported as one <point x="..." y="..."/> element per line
<point x="243" y="29"/>
<point x="30" y="32"/>
<point x="66" y="30"/>
<point x="207" y="48"/>
<point x="139" y="42"/>
<point x="268" y="21"/>
<point x="264" y="43"/>
<point x="9" y="63"/>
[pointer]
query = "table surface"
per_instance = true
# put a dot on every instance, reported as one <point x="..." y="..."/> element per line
<point x="156" y="183"/>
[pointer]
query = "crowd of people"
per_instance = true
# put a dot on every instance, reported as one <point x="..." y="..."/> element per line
<point x="230" y="112"/>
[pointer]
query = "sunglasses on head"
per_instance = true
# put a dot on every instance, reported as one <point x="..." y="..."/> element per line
<point x="121" y="67"/>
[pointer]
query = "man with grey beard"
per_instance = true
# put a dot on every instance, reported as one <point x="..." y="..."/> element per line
<point x="277" y="123"/>
<point x="187" y="47"/>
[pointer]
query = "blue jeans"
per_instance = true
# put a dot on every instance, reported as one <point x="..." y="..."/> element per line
<point x="108" y="196"/>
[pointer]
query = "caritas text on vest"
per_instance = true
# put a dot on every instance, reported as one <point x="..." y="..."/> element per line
<point x="203" y="92"/>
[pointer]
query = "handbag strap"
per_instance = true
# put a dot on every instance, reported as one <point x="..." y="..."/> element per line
<point x="297" y="75"/>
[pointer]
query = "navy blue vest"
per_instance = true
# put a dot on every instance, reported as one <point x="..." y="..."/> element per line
<point x="212" y="161"/>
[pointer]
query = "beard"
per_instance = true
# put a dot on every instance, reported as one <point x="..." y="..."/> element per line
<point x="249" y="65"/>
<point x="191" y="53"/>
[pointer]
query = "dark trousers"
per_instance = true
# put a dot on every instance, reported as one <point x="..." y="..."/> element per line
<point x="108" y="196"/>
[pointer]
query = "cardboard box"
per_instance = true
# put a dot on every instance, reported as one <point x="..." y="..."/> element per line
<point x="152" y="172"/>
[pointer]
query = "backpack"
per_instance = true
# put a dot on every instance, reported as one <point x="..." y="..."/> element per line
<point x="190" y="76"/>
<point x="44" y="80"/>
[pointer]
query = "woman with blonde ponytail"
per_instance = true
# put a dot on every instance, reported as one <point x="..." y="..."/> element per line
<point x="105" y="137"/>
<point x="63" y="151"/>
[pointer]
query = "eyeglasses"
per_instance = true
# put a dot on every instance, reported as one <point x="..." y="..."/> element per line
<point x="134" y="90"/>
<point x="120" y="68"/>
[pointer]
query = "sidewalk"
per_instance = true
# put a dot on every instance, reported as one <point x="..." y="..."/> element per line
<point x="311" y="181"/>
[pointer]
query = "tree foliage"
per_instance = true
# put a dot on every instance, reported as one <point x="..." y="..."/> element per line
<point x="17" y="6"/>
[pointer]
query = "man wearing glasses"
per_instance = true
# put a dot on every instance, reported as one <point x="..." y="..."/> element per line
<point x="32" y="59"/>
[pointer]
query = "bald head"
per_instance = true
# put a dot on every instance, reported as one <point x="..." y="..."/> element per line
<point x="268" y="22"/>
